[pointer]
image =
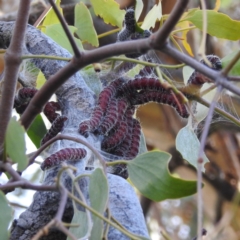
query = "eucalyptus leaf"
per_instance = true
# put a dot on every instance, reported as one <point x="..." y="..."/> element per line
<point x="109" y="11"/>
<point x="5" y="217"/>
<point x="153" y="15"/>
<point x="138" y="9"/>
<point x="188" y="145"/>
<point x="80" y="218"/>
<point x="37" y="130"/>
<point x="57" y="33"/>
<point x="187" y="72"/>
<point x="84" y="24"/>
<point x="15" y="143"/>
<point x="51" y="17"/>
<point x="98" y="193"/>
<point x="150" y="175"/>
<point x="219" y="24"/>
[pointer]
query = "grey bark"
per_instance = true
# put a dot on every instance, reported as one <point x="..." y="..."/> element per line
<point x="77" y="102"/>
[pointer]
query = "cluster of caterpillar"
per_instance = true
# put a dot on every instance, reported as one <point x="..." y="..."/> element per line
<point x="21" y="101"/>
<point x="113" y="115"/>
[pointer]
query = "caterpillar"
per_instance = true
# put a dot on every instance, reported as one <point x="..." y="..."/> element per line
<point x="128" y="148"/>
<point x="198" y="78"/>
<point x="161" y="97"/>
<point x="109" y="92"/>
<point x="123" y="148"/>
<point x="110" y="118"/>
<point x="50" y="111"/>
<point x="129" y="26"/>
<point x="90" y="125"/>
<point x="146" y="84"/>
<point x="57" y="126"/>
<point x="66" y="154"/>
<point x="128" y="32"/>
<point x="135" y="140"/>
<point x="23" y="97"/>
<point x="116" y="138"/>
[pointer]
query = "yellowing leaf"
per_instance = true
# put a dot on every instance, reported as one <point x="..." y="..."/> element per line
<point x="51" y="17"/>
<point x="153" y="15"/>
<point x="218" y="24"/>
<point x="40" y="80"/>
<point x="84" y="24"/>
<point x="217" y="5"/>
<point x="109" y="11"/>
<point x="185" y="25"/>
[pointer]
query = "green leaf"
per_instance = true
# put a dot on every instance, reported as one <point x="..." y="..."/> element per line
<point x="57" y="33"/>
<point x="80" y="218"/>
<point x="218" y="24"/>
<point x="15" y="143"/>
<point x="235" y="71"/>
<point x="149" y="173"/>
<point x="138" y="9"/>
<point x="109" y="11"/>
<point x="37" y="130"/>
<point x="153" y="15"/>
<point x="84" y="24"/>
<point x="98" y="193"/>
<point x="188" y="145"/>
<point x="5" y="217"/>
<point x="51" y="17"/>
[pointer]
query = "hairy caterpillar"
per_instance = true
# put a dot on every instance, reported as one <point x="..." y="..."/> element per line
<point x="198" y="78"/>
<point x="57" y="126"/>
<point x="135" y="140"/>
<point x="143" y="84"/>
<point x="66" y="154"/>
<point x="108" y="93"/>
<point x="110" y="118"/>
<point x="90" y="125"/>
<point x="128" y="32"/>
<point x="129" y="26"/>
<point x="161" y="97"/>
<point x="24" y="95"/>
<point x="116" y="138"/>
<point x="50" y="110"/>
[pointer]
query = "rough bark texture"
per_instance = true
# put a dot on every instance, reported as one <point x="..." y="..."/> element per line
<point x="77" y="102"/>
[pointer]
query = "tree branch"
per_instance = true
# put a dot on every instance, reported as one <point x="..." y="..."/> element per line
<point x="12" y="64"/>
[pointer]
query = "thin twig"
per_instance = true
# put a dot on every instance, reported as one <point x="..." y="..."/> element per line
<point x="62" y="204"/>
<point x="75" y="48"/>
<point x="216" y="76"/>
<point x="200" y="161"/>
<point x="231" y="64"/>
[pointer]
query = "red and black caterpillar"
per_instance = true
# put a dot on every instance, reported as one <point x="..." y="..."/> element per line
<point x="57" y="126"/>
<point x="66" y="154"/>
